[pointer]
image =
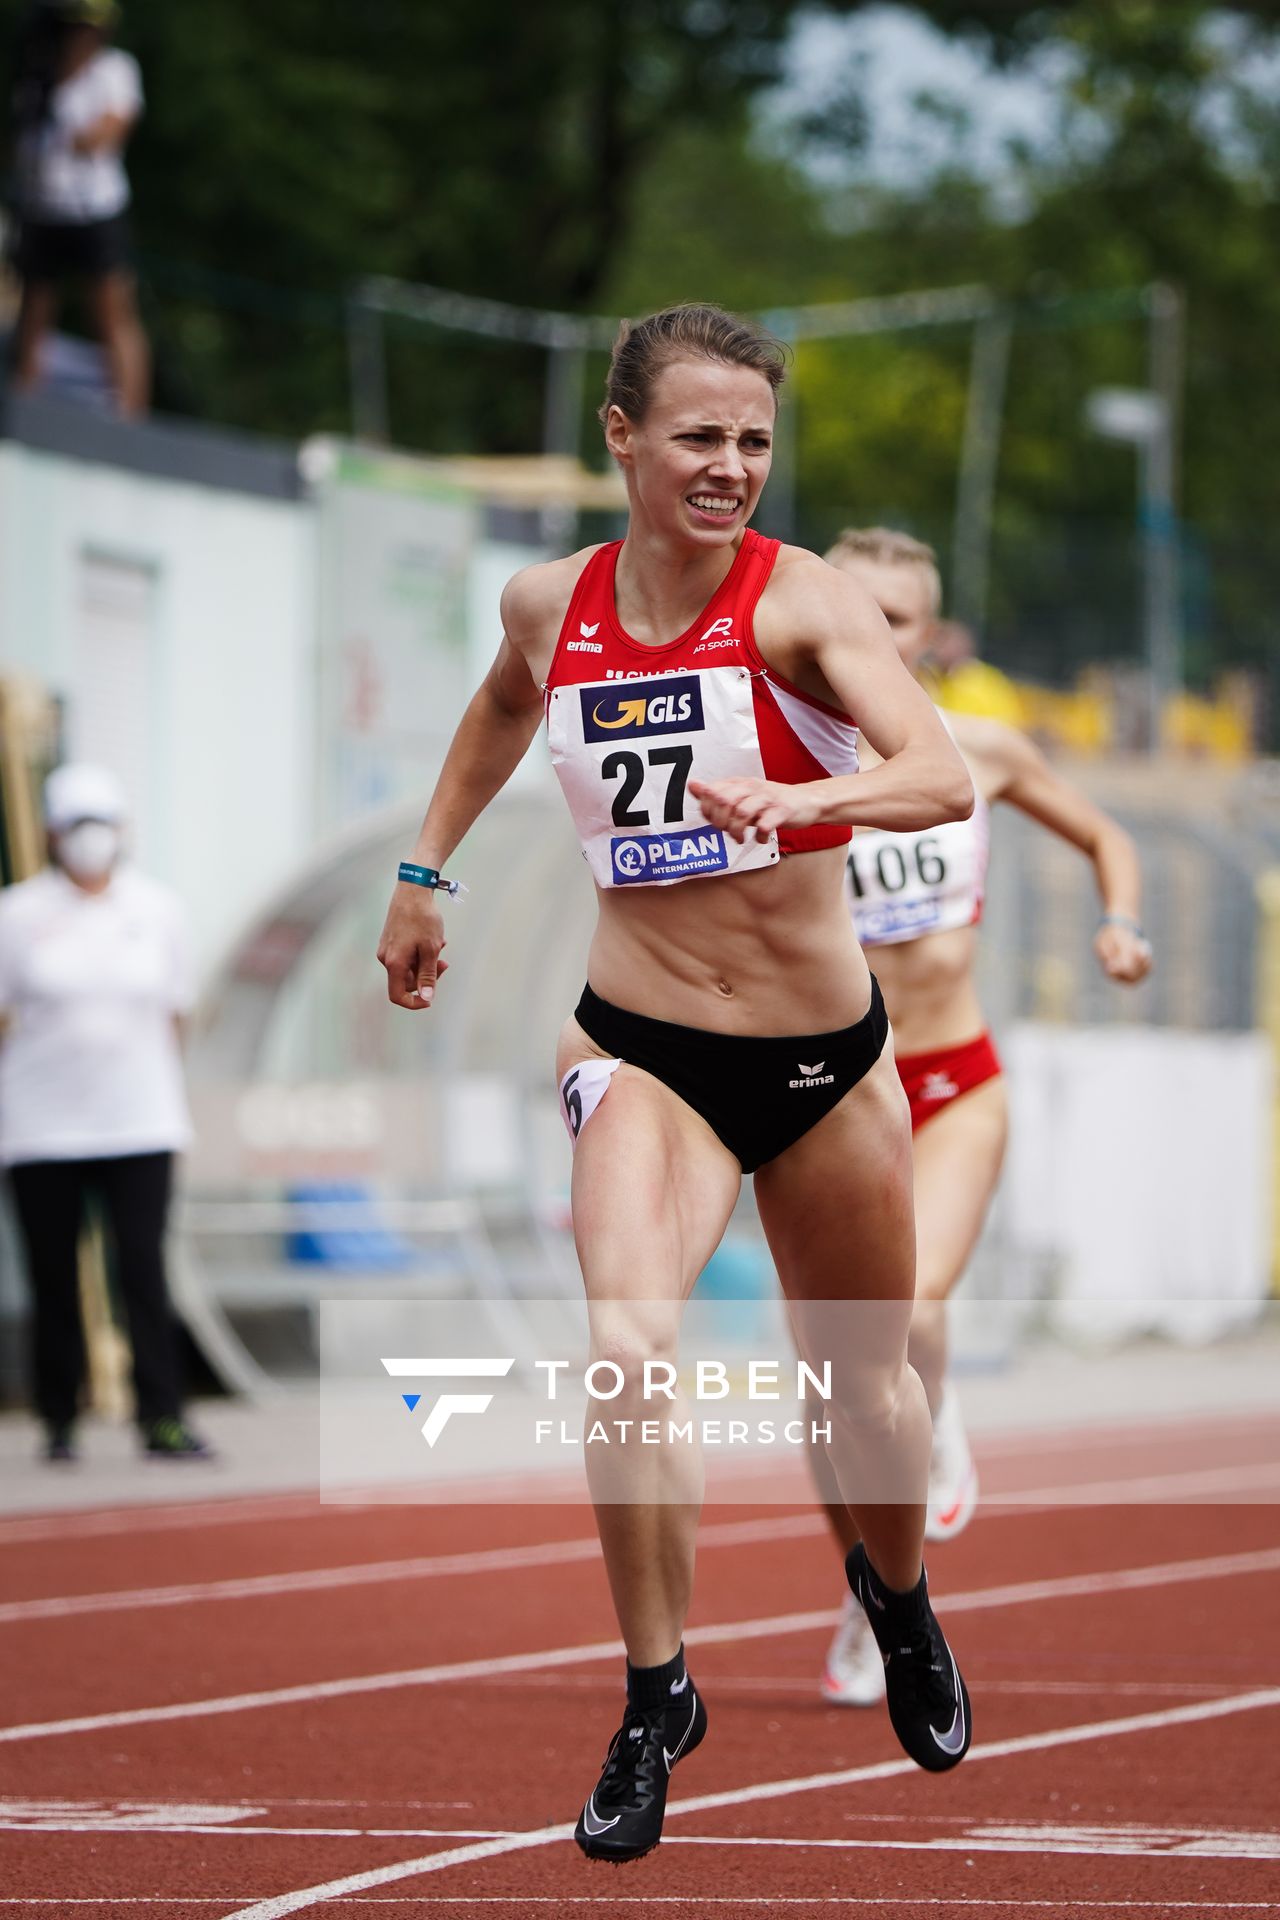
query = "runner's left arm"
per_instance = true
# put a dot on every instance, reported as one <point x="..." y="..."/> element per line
<point x="1025" y="779"/>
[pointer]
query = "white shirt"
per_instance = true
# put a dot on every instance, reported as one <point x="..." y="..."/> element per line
<point x="89" y="1062"/>
<point x="55" y="183"/>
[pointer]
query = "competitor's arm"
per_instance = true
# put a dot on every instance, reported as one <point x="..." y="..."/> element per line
<point x="492" y="739"/>
<point x="826" y="633"/>
<point x="1026" y="780"/>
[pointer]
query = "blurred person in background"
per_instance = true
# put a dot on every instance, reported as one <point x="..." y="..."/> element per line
<point x="95" y="975"/>
<point x="960" y="682"/>
<point x="917" y="899"/>
<point x="76" y="100"/>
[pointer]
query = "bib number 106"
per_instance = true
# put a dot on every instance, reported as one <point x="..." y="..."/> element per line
<point x="893" y="866"/>
<point x="632" y="768"/>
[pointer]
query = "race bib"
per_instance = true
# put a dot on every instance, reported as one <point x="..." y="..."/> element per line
<point x="902" y="885"/>
<point x="625" y="751"/>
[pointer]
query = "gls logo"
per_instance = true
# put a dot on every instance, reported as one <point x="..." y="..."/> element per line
<point x="448" y="1403"/>
<point x="670" y="705"/>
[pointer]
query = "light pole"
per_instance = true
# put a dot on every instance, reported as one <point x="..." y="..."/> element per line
<point x="1146" y="418"/>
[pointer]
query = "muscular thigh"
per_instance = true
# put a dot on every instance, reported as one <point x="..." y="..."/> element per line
<point x="836" y="1206"/>
<point x="958" y="1155"/>
<point x="653" y="1187"/>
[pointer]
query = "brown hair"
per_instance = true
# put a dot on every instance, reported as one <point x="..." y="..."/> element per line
<point x="644" y="347"/>
<point x="888" y="548"/>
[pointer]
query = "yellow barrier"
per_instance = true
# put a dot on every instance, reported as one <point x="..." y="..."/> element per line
<point x="1082" y="719"/>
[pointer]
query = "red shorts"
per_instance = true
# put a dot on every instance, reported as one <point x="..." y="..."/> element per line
<point x="934" y="1080"/>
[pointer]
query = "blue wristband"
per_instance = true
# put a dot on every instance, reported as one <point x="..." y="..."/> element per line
<point x="429" y="877"/>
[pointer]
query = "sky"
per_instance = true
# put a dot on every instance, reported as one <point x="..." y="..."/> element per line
<point x="901" y="55"/>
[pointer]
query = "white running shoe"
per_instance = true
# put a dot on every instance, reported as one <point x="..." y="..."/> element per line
<point x="854" y="1673"/>
<point x="953" y="1478"/>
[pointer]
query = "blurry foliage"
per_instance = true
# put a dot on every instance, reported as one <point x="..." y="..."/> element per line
<point x="600" y="156"/>
<point x="1164" y="164"/>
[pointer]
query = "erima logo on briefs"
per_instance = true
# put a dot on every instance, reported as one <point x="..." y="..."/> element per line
<point x="439" y="1368"/>
<point x="938" y="1086"/>
<point x="813" y="1076"/>
<point x="671" y="705"/>
<point x="668" y="856"/>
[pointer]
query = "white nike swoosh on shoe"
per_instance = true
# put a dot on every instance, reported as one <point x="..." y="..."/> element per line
<point x="952" y="1741"/>
<point x="865" y="1594"/>
<point x="592" y="1823"/>
<point x="672" y="1757"/>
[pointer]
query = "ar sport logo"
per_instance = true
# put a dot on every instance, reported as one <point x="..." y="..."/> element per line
<point x="672" y="704"/>
<point x="668" y="856"/>
<point x="447" y="1367"/>
<point x="719" y="634"/>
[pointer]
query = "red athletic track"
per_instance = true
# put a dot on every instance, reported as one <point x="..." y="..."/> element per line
<point x="1069" y="1618"/>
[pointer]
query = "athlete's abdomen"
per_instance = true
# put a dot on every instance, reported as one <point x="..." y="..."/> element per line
<point x="929" y="990"/>
<point x="767" y="952"/>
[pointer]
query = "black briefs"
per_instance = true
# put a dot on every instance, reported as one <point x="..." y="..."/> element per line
<point x="757" y="1095"/>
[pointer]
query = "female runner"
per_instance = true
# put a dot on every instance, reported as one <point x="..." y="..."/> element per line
<point x="698" y="683"/>
<point x="917" y="898"/>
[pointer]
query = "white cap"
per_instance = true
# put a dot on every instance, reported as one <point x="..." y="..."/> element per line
<point x="80" y="792"/>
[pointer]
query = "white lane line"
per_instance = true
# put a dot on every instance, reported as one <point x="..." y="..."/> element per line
<point x="275" y="1908"/>
<point x="1201" y="1483"/>
<point x="1213" y="1481"/>
<point x="1073" y="1586"/>
<point x="1267" y="1847"/>
<point x="550" y="1553"/>
<point x="1095" y="1843"/>
<point x="95" y="1523"/>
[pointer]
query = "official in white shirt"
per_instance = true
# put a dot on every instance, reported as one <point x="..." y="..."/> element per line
<point x="95" y="974"/>
<point x="76" y="102"/>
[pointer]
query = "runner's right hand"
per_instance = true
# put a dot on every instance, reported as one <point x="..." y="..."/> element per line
<point x="410" y="948"/>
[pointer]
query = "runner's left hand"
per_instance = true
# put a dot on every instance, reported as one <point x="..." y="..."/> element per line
<point x="1123" y="954"/>
<point x="753" y="809"/>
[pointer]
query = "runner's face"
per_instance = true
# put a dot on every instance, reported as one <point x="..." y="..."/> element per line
<point x="903" y="596"/>
<point x="698" y="459"/>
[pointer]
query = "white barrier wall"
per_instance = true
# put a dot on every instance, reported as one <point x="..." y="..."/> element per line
<point x="176" y="623"/>
<point x="1139" y="1171"/>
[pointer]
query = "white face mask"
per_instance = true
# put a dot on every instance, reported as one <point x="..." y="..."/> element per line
<point x="90" y="849"/>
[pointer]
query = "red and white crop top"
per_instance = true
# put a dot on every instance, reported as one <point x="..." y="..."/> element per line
<point x="629" y="725"/>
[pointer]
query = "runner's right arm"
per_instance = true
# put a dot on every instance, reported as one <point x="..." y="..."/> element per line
<point x="492" y="739"/>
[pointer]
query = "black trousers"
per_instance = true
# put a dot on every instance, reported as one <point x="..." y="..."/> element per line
<point x="134" y="1193"/>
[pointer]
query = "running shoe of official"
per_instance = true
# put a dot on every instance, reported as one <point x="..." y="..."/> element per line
<point x="854" y="1672"/>
<point x="622" y="1819"/>
<point x="953" y="1478"/>
<point x="928" y="1701"/>
<point x="171" y="1439"/>
<point x="60" y="1443"/>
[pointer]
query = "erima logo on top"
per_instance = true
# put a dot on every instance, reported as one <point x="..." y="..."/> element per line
<point x="587" y="644"/>
<point x="670" y="705"/>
